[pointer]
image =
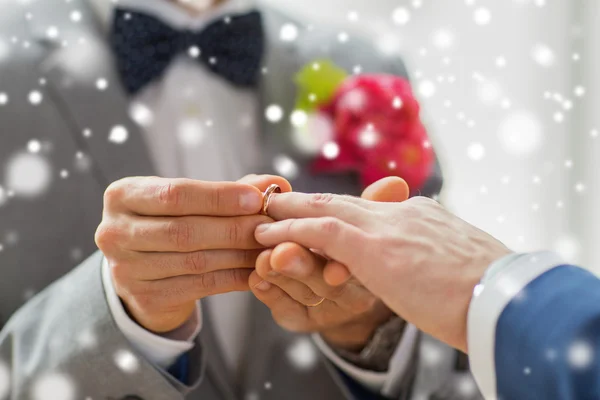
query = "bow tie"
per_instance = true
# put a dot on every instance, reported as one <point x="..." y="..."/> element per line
<point x="144" y="46"/>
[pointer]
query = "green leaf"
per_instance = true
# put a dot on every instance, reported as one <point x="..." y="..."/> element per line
<point x="317" y="82"/>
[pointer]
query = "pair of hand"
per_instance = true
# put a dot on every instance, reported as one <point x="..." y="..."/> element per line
<point x="422" y="261"/>
<point x="170" y="242"/>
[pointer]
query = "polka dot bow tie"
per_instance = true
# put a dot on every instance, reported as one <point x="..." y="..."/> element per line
<point x="231" y="47"/>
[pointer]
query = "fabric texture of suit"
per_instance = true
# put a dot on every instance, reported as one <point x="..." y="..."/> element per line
<point x="547" y="339"/>
<point x="66" y="332"/>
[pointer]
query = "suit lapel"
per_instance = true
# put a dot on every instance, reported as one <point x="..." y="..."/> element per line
<point x="99" y="118"/>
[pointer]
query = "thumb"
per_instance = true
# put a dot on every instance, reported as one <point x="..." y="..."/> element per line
<point x="387" y="190"/>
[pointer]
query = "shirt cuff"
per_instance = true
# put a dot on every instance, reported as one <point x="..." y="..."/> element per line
<point x="379" y="382"/>
<point x="162" y="350"/>
<point x="503" y="282"/>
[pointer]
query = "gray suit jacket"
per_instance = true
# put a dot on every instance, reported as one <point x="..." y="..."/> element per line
<point x="64" y="337"/>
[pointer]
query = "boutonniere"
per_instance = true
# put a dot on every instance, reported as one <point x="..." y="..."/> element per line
<point x="368" y="124"/>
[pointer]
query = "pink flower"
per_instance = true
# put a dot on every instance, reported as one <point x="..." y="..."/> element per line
<point x="378" y="131"/>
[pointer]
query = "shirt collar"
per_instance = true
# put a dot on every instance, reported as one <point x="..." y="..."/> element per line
<point x="170" y="13"/>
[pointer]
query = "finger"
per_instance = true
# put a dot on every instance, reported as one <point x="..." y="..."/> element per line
<point x="287" y="312"/>
<point x="168" y="293"/>
<point x="155" y="196"/>
<point x="155" y="266"/>
<point x="262" y="182"/>
<point x="296" y="289"/>
<point x="299" y="263"/>
<point x="307" y="269"/>
<point x="336" y="274"/>
<point x="391" y="189"/>
<point x="353" y="210"/>
<point x="336" y="239"/>
<point x="387" y="190"/>
<point x="187" y="234"/>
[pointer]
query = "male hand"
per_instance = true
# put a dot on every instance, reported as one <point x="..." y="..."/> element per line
<point x="420" y="259"/>
<point x="170" y="242"/>
<point x="290" y="280"/>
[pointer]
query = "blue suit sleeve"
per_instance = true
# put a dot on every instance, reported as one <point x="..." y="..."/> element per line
<point x="547" y="339"/>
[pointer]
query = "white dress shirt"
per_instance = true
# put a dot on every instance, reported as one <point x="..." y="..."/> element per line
<point x="199" y="126"/>
<point x="503" y="281"/>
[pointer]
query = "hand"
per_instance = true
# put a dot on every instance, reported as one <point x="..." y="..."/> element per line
<point x="289" y="279"/>
<point x="420" y="259"/>
<point x="170" y="242"/>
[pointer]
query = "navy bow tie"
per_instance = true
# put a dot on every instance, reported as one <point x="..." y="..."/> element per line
<point x="231" y="47"/>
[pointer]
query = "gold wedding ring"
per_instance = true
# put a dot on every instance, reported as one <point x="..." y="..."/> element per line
<point x="267" y="197"/>
<point x="316" y="304"/>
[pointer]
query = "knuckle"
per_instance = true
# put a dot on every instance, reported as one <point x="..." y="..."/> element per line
<point x="208" y="282"/>
<point x="215" y="198"/>
<point x="308" y="296"/>
<point x="330" y="226"/>
<point x="196" y="262"/>
<point x="320" y="200"/>
<point x="336" y="292"/>
<point x="115" y="192"/>
<point x="171" y="194"/>
<point x="180" y="233"/>
<point x="234" y="232"/>
<point x="365" y="305"/>
<point x="107" y="236"/>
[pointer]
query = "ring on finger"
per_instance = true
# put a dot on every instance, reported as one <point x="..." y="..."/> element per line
<point x="316" y="304"/>
<point x="267" y="198"/>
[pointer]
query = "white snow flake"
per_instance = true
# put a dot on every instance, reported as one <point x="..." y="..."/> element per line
<point x="274" y="113"/>
<point x="520" y="133"/>
<point x="118" y="134"/>
<point x="401" y="16"/>
<point x="3" y="98"/>
<point x="427" y="88"/>
<point x="476" y="151"/>
<point x="52" y="386"/>
<point x="35" y="97"/>
<point x="302" y="354"/>
<point x="331" y="150"/>
<point x="34" y="146"/>
<point x="580" y="355"/>
<point x="443" y="39"/>
<point x="28" y="175"/>
<point x="298" y="118"/>
<point x="190" y="132"/>
<point x="543" y="55"/>
<point x="482" y="16"/>
<point x="141" y="114"/>
<point x="126" y="361"/>
<point x="568" y="247"/>
<point x="75" y="16"/>
<point x="101" y="84"/>
<point x="288" y="32"/>
<point x="285" y="166"/>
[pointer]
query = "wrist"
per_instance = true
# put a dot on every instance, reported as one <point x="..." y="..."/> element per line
<point x="354" y="336"/>
<point x="160" y="323"/>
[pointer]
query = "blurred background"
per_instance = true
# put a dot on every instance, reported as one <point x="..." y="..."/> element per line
<point x="509" y="91"/>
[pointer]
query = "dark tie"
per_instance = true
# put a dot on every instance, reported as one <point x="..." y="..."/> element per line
<point x="144" y="46"/>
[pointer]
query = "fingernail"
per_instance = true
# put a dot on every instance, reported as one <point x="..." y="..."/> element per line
<point x="251" y="201"/>
<point x="263" y="286"/>
<point x="263" y="228"/>
<point x="295" y="268"/>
